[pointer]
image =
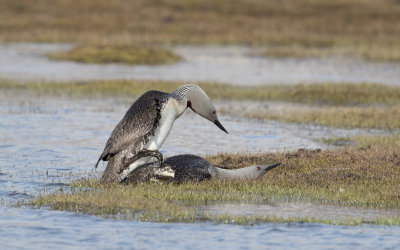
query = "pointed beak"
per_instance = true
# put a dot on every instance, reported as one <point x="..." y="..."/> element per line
<point x="216" y="122"/>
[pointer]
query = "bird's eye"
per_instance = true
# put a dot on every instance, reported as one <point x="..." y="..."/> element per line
<point x="213" y="112"/>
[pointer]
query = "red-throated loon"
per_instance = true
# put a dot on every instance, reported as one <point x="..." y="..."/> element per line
<point x="185" y="168"/>
<point x="146" y="125"/>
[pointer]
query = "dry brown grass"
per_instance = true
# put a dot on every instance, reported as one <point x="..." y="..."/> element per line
<point x="364" y="27"/>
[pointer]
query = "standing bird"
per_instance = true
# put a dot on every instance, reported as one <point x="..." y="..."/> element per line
<point x="145" y="126"/>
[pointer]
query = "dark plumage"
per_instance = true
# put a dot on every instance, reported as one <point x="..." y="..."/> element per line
<point x="185" y="168"/>
<point x="132" y="132"/>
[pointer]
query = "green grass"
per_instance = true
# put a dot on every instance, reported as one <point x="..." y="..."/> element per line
<point x="363" y="176"/>
<point x="119" y="54"/>
<point x="363" y="28"/>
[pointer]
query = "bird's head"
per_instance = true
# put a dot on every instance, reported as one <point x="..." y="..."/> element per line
<point x="199" y="102"/>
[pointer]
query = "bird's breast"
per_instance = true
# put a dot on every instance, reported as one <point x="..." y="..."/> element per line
<point x="168" y="116"/>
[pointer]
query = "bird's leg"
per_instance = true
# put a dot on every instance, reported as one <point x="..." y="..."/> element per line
<point x="147" y="153"/>
<point x="141" y="154"/>
<point x="154" y="153"/>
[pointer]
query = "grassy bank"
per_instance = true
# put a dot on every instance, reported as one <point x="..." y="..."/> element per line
<point x="303" y="27"/>
<point x="330" y="104"/>
<point x="377" y="117"/>
<point x="117" y="54"/>
<point x="363" y="176"/>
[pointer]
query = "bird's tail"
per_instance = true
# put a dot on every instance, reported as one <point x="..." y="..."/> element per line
<point x="112" y="171"/>
<point x="251" y="172"/>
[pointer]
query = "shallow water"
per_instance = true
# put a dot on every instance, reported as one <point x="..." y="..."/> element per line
<point x="294" y="209"/>
<point x="44" y="143"/>
<point x="27" y="228"/>
<point x="227" y="64"/>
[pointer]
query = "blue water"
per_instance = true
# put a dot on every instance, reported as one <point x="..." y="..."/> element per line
<point x="44" y="145"/>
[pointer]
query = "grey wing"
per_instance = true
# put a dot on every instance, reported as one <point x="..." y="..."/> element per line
<point x="136" y="127"/>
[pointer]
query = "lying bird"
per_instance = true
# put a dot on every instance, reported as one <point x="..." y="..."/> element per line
<point x="191" y="168"/>
<point x="145" y="126"/>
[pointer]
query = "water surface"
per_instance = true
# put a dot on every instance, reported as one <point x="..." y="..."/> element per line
<point x="43" y="229"/>
<point x="302" y="209"/>
<point x="226" y="64"/>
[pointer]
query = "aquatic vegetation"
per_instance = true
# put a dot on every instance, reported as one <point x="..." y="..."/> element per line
<point x="296" y="28"/>
<point x="362" y="176"/>
<point x="118" y="54"/>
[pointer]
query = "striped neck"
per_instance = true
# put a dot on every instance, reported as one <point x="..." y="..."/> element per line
<point x="181" y="92"/>
<point x="180" y="95"/>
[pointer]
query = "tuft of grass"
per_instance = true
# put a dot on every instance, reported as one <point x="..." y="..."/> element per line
<point x="363" y="27"/>
<point x="364" y="176"/>
<point x="118" y="54"/>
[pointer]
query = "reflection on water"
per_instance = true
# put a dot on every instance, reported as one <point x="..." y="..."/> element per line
<point x="229" y="64"/>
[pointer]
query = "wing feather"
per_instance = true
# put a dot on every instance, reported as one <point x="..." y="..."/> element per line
<point x="136" y="127"/>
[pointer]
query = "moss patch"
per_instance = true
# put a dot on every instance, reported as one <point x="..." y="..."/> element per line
<point x="118" y="54"/>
